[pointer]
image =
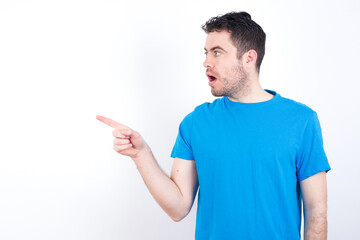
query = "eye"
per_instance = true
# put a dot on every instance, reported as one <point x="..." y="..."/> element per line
<point x="217" y="53"/>
<point x="205" y="53"/>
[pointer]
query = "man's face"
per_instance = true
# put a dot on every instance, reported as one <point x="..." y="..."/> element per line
<point x="223" y="69"/>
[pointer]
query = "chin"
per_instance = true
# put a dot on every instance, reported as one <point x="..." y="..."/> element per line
<point x="217" y="94"/>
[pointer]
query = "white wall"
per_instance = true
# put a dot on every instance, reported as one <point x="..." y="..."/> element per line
<point x="140" y="62"/>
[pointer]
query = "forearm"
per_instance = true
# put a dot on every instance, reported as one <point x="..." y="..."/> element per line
<point x="162" y="188"/>
<point x="315" y="225"/>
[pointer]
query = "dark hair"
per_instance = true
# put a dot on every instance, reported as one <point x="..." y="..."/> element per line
<point x="245" y="33"/>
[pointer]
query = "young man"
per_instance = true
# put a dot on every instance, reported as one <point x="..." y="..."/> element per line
<point x="253" y="154"/>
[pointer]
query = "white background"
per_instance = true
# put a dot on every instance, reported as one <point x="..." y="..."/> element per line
<point x="140" y="63"/>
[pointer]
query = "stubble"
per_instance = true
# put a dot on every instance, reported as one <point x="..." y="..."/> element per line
<point x="233" y="84"/>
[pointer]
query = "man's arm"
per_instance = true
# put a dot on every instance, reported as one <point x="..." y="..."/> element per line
<point x="184" y="175"/>
<point x="174" y="194"/>
<point x="315" y="206"/>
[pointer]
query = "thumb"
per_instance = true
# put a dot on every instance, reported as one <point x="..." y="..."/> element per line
<point x="127" y="132"/>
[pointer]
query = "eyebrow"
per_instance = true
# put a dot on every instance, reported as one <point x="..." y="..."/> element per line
<point x="216" y="47"/>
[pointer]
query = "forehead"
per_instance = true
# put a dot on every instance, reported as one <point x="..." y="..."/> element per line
<point x="222" y="39"/>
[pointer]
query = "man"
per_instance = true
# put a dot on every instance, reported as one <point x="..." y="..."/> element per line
<point x="253" y="154"/>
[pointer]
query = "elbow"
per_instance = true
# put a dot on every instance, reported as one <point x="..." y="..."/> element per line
<point x="178" y="219"/>
<point x="181" y="212"/>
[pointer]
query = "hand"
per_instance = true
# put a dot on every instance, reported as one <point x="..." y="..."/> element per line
<point x="127" y="141"/>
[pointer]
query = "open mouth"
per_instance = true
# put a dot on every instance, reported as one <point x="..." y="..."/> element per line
<point x="212" y="78"/>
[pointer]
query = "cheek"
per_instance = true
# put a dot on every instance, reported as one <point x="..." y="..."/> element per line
<point x="226" y="72"/>
<point x="222" y="68"/>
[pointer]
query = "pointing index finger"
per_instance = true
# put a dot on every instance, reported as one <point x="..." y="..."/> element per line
<point x="111" y="123"/>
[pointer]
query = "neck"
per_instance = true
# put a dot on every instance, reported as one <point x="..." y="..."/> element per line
<point x="252" y="92"/>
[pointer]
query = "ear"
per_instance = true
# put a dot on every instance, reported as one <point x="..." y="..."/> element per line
<point x="249" y="59"/>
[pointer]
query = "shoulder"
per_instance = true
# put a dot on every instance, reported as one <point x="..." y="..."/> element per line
<point x="202" y="110"/>
<point x="297" y="108"/>
<point x="209" y="106"/>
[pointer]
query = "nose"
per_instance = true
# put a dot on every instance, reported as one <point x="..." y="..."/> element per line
<point x="208" y="64"/>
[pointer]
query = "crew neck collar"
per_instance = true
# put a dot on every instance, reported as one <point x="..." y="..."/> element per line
<point x="257" y="104"/>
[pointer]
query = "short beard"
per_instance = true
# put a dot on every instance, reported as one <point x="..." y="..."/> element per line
<point x="232" y="87"/>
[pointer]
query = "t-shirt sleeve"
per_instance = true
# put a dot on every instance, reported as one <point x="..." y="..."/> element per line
<point x="312" y="158"/>
<point x="182" y="148"/>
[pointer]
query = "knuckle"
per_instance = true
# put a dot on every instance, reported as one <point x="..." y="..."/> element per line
<point x="118" y="141"/>
<point x="115" y="133"/>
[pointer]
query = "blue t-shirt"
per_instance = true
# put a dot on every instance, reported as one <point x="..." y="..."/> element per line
<point x="250" y="158"/>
